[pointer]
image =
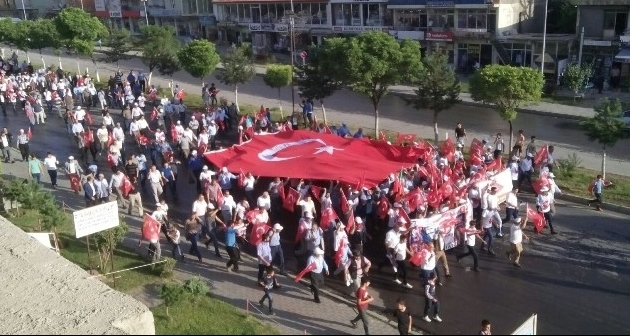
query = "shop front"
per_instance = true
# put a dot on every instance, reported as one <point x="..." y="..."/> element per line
<point x="354" y="17"/>
<point x="440" y="41"/>
<point x="269" y="37"/>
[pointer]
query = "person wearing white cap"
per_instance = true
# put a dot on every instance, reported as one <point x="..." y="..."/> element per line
<point x="514" y="172"/>
<point x="544" y="203"/>
<point x="276" y="247"/>
<point x="470" y="237"/>
<point x="526" y="169"/>
<point x="458" y="155"/>
<point x="511" y="205"/>
<point x="490" y="218"/>
<point x="341" y="241"/>
<point x="249" y="183"/>
<point x="553" y="187"/>
<point x="22" y="144"/>
<point x="194" y="125"/>
<point x="516" y="240"/>
<point x="317" y="274"/>
<point x="73" y="167"/>
<point x="392" y="237"/>
<point x="401" y="249"/>
<point x="313" y="239"/>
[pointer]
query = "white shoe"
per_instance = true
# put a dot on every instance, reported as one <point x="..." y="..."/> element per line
<point x="395" y="269"/>
<point x="408" y="286"/>
<point x="397" y="281"/>
<point x="348" y="283"/>
<point x="426" y="318"/>
<point x="437" y="318"/>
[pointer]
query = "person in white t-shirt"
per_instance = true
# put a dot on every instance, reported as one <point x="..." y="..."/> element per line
<point x="228" y="207"/>
<point x="307" y="204"/>
<point x="50" y="162"/>
<point x="264" y="201"/>
<point x="470" y="237"/>
<point x="155" y="178"/>
<point x="516" y="240"/>
<point x="544" y="204"/>
<point x="401" y="249"/>
<point x="249" y="183"/>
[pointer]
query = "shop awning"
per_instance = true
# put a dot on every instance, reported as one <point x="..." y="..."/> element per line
<point x="623" y="56"/>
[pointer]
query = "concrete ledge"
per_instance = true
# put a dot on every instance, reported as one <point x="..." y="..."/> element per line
<point x="606" y="206"/>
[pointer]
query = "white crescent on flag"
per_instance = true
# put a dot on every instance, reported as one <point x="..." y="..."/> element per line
<point x="269" y="154"/>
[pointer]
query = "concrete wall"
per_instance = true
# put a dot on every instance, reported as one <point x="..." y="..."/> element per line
<point x="43" y="293"/>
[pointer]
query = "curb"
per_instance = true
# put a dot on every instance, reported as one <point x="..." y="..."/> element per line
<point x="607" y="206"/>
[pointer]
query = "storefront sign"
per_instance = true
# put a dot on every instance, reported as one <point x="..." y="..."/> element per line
<point x="269" y="27"/>
<point x="226" y="24"/>
<point x="209" y="20"/>
<point x="255" y="27"/>
<point x="165" y="12"/>
<point x="349" y="29"/>
<point x="440" y="3"/>
<point x="624" y="38"/>
<point x="597" y="43"/>
<point x="281" y="28"/>
<point x="439" y="36"/>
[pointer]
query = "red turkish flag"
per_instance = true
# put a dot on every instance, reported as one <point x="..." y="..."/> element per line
<point x="344" y="202"/>
<point x="290" y="199"/>
<point x="382" y="207"/>
<point x="257" y="233"/>
<point x="447" y="149"/>
<point x="351" y="222"/>
<point x="414" y="199"/>
<point x="241" y="179"/>
<point x="111" y="162"/>
<point x="202" y="147"/>
<point x="110" y="139"/>
<point x="341" y="249"/>
<point x="476" y="147"/>
<point x="420" y="256"/>
<point x="310" y="268"/>
<point x="447" y="189"/>
<point x="29" y="134"/>
<point x="150" y="229"/>
<point x="316" y="192"/>
<point x="541" y="156"/>
<point x="537" y="217"/>
<point x="496" y="164"/>
<point x="251" y="215"/>
<point x="125" y="186"/>
<point x="143" y="140"/>
<point x="154" y="113"/>
<point x="88" y="118"/>
<point x="539" y="184"/>
<point x="434" y="199"/>
<point x="402" y="213"/>
<point x="316" y="156"/>
<point x="181" y="94"/>
<point x="328" y="216"/>
<point x="405" y="138"/>
<point x="75" y="182"/>
<point x="174" y="134"/>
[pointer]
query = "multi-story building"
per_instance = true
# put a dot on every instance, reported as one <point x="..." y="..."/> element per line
<point x="606" y="35"/>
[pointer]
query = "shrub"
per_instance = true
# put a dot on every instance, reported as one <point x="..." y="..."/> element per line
<point x="566" y="167"/>
<point x="165" y="269"/>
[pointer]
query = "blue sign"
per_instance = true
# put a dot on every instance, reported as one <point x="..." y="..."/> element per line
<point x="209" y="20"/>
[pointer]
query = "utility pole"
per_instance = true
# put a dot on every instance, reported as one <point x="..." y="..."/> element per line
<point x="544" y="46"/>
<point x="146" y="14"/>
<point x="24" y="10"/>
<point x="581" y="45"/>
<point x="292" y="50"/>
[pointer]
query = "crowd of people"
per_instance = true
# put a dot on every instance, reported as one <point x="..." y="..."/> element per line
<point x="138" y="155"/>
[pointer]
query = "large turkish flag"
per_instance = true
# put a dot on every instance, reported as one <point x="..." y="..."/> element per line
<point x="310" y="155"/>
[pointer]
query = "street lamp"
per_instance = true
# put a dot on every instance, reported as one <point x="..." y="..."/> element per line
<point x="24" y="9"/>
<point x="146" y="14"/>
<point x="544" y="41"/>
<point x="292" y="50"/>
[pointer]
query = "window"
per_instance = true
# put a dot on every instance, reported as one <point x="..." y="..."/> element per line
<point x="616" y="20"/>
<point x="247" y="13"/>
<point x="264" y="13"/>
<point x="373" y="14"/>
<point x="440" y="20"/>
<point x="472" y="19"/>
<point x="408" y="19"/>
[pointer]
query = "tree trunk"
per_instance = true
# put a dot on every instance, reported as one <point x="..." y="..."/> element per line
<point x="28" y="58"/>
<point x="238" y="109"/>
<point x="321" y="101"/>
<point x="376" y="133"/>
<point x="511" y="136"/>
<point x="149" y="81"/>
<point x="604" y="164"/>
<point x="78" y="67"/>
<point x="435" y="128"/>
<point x="42" y="58"/>
<point x="59" y="59"/>
<point x="280" y="104"/>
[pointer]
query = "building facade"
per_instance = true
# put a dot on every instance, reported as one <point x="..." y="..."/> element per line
<point x="606" y="42"/>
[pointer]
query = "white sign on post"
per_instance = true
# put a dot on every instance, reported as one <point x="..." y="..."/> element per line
<point x="95" y="219"/>
<point x="528" y="327"/>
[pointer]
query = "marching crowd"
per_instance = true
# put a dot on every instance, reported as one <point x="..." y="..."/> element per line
<point x="138" y="155"/>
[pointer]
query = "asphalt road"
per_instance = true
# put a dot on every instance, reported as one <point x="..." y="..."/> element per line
<point x="577" y="282"/>
<point x="353" y="109"/>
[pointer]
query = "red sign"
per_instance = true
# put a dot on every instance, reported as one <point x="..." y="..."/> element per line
<point x="439" y="36"/>
<point x="303" y="54"/>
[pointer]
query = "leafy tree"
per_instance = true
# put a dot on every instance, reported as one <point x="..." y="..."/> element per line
<point x="199" y="58"/>
<point x="118" y="44"/>
<point x="158" y="45"/>
<point x="44" y="35"/>
<point x="561" y="18"/>
<point x="19" y="36"/>
<point x="106" y="241"/>
<point x="506" y="88"/>
<point x="313" y="81"/>
<point x="371" y="63"/>
<point x="438" y="87"/>
<point x="606" y="127"/>
<point x="278" y="76"/>
<point x="238" y="68"/>
<point x="575" y="77"/>
<point x="172" y="293"/>
<point x="78" y="31"/>
<point x="6" y="29"/>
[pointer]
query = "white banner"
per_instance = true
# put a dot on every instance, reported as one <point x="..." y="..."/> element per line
<point x="450" y="222"/>
<point x="95" y="219"/>
<point x="528" y="327"/>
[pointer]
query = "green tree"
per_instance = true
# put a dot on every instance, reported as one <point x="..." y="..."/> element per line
<point x="6" y="29"/>
<point x="199" y="58"/>
<point x="44" y="35"/>
<point x="606" y="126"/>
<point x="238" y="68"/>
<point x="158" y="45"/>
<point x="575" y="77"/>
<point x="19" y="36"/>
<point x="371" y="63"/>
<point x="313" y="81"/>
<point x="561" y="17"/>
<point x="507" y="88"/>
<point x="438" y="88"/>
<point x="168" y="65"/>
<point x="78" y="31"/>
<point x="172" y="293"/>
<point x="117" y="45"/>
<point x="278" y="76"/>
<point x="108" y="240"/>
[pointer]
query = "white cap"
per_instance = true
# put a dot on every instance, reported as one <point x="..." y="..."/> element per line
<point x="224" y="169"/>
<point x="397" y="205"/>
<point x="551" y="175"/>
<point x="308" y="214"/>
<point x="205" y="168"/>
<point x="402" y="229"/>
<point x="462" y="201"/>
<point x="392" y="176"/>
<point x="543" y="189"/>
<point x="194" y="152"/>
<point x="530" y="155"/>
<point x="158" y="204"/>
<point x="211" y="206"/>
<point x="459" y="145"/>
<point x="514" y="157"/>
<point x="240" y="127"/>
<point x="402" y="220"/>
<point x="318" y="251"/>
<point x="358" y="220"/>
<point x="278" y="227"/>
<point x="516" y="220"/>
<point x="445" y="178"/>
<point x="71" y="157"/>
<point x="179" y="122"/>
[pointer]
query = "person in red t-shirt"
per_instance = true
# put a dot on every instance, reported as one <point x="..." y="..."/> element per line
<point x="363" y="299"/>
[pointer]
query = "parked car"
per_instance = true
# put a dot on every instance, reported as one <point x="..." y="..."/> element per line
<point x="626" y="117"/>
